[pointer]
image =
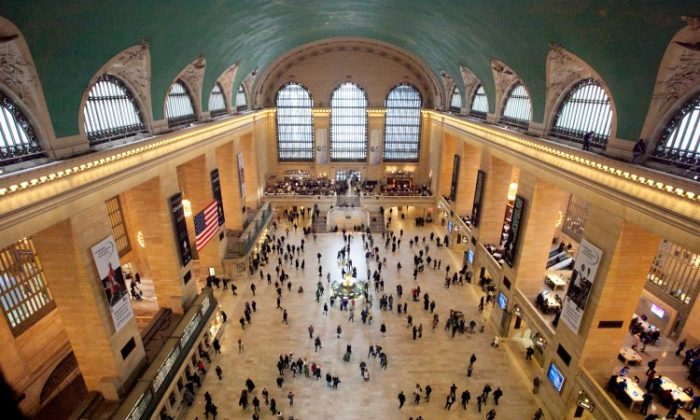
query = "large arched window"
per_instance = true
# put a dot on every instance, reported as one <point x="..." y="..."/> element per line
<point x="295" y="139"/>
<point x="178" y="106"/>
<point x="241" y="101"/>
<point x="17" y="139"/>
<point x="679" y="143"/>
<point x="402" y="124"/>
<point x="518" y="110"/>
<point x="480" y="104"/>
<point x="348" y="123"/>
<point x="586" y="109"/>
<point x="456" y="100"/>
<point x="217" y="101"/>
<point x="111" y="112"/>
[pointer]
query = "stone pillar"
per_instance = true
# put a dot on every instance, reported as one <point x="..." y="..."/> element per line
<point x="495" y="198"/>
<point x="628" y="251"/>
<point x="102" y="353"/>
<point x="447" y="152"/>
<point x="250" y="171"/>
<point x="195" y="181"/>
<point x="471" y="160"/>
<point x="543" y="202"/>
<point x="148" y="205"/>
<point x="226" y="161"/>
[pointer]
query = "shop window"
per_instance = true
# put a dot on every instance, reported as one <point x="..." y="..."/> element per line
<point x="402" y="124"/>
<point x="517" y="110"/>
<point x="584" y="111"/>
<point x="679" y="144"/>
<point x="675" y="272"/>
<point x="456" y="100"/>
<point x="480" y="104"/>
<point x="18" y="142"/>
<point x="179" y="107"/>
<point x="575" y="220"/>
<point x="241" y="101"/>
<point x="295" y="127"/>
<point x="348" y="123"/>
<point x="24" y="294"/>
<point x="217" y="101"/>
<point x="116" y="219"/>
<point x="111" y="112"/>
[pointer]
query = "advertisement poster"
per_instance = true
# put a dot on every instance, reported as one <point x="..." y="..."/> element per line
<point x="511" y="244"/>
<point x="585" y="269"/>
<point x="109" y="269"/>
<point x="216" y="192"/>
<point x="183" y="240"/>
<point x="478" y="193"/>
<point x="241" y="175"/>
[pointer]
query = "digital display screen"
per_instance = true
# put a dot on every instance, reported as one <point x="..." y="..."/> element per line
<point x="470" y="256"/>
<point x="449" y="226"/>
<point x="502" y="301"/>
<point x="555" y="377"/>
<point x="656" y="310"/>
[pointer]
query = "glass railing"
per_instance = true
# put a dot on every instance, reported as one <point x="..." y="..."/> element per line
<point x="242" y="244"/>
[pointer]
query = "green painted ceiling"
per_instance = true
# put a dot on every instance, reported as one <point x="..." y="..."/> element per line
<point x="623" y="40"/>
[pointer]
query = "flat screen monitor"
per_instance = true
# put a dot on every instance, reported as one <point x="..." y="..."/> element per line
<point x="470" y="256"/>
<point x="502" y="301"/>
<point x="658" y="311"/>
<point x="555" y="377"/>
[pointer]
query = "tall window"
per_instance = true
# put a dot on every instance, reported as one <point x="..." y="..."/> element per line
<point x="675" y="272"/>
<point x="480" y="104"/>
<point x="680" y="141"/>
<point x="517" y="111"/>
<point x="116" y="218"/>
<point x="217" y="101"/>
<point x="178" y="106"/>
<point x="456" y="101"/>
<point x="24" y="295"/>
<point x="402" y="124"/>
<point x="348" y="123"/>
<point x="111" y="112"/>
<point x="241" y="102"/>
<point x="295" y="127"/>
<point x="586" y="109"/>
<point x="17" y="139"/>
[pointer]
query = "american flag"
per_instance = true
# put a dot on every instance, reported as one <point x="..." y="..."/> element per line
<point x="206" y="223"/>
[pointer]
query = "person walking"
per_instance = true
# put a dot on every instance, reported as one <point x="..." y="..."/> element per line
<point x="317" y="343"/>
<point x="240" y="345"/>
<point x="497" y="394"/>
<point x="453" y="391"/>
<point x="218" y="371"/>
<point x="311" y="331"/>
<point x="538" y="414"/>
<point x="252" y="286"/>
<point x="681" y="346"/>
<point x="428" y="390"/>
<point x="216" y="345"/>
<point x="339" y="331"/>
<point x="402" y="399"/>
<point x="382" y="329"/>
<point x="479" y="401"/>
<point x="449" y="401"/>
<point x="486" y="392"/>
<point x="290" y="396"/>
<point x="651" y="366"/>
<point x="491" y="415"/>
<point x="285" y="317"/>
<point x="638" y="152"/>
<point x="466" y="396"/>
<point x="647" y="398"/>
<point x="535" y="384"/>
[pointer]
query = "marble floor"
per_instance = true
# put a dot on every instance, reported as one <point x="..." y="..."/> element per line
<point x="436" y="358"/>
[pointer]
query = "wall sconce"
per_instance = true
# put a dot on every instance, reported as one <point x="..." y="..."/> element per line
<point x="512" y="191"/>
<point x="187" y="207"/>
<point x="140" y="239"/>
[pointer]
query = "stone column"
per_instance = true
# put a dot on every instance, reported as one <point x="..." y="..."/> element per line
<point x="226" y="161"/>
<point x="447" y="152"/>
<point x="149" y="207"/>
<point x="495" y="198"/>
<point x="471" y="160"/>
<point x="250" y="171"/>
<point x="102" y="353"/>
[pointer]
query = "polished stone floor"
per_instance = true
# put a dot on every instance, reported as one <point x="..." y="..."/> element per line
<point x="436" y="359"/>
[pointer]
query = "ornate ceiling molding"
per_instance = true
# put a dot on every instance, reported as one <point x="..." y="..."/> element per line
<point x="504" y="78"/>
<point x="470" y="84"/>
<point x="226" y="82"/>
<point x="193" y="77"/>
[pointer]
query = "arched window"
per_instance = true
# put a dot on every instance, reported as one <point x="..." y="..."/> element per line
<point x="456" y="101"/>
<point x="17" y="139"/>
<point x="111" y="112"/>
<point x="480" y="104"/>
<point x="517" y="111"/>
<point x="217" y="101"/>
<point x="402" y="124"/>
<point x="586" y="109"/>
<point x="241" y="102"/>
<point x="680" y="141"/>
<point x="348" y="123"/>
<point x="295" y="127"/>
<point x="179" y="107"/>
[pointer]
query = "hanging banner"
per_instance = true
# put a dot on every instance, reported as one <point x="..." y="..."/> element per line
<point x="216" y="192"/>
<point x="478" y="193"/>
<point x="511" y="244"/>
<point x="183" y="240"/>
<point x="106" y="259"/>
<point x="241" y="175"/>
<point x="455" y="177"/>
<point x="585" y="269"/>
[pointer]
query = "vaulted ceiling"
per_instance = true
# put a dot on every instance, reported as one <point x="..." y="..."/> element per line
<point x="623" y="40"/>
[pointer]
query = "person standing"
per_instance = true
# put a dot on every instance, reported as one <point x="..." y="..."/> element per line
<point x="428" y="390"/>
<point x="651" y="366"/>
<point x="587" y="141"/>
<point x="535" y="384"/>
<point x="252" y="286"/>
<point x="681" y="346"/>
<point x="339" y="331"/>
<point x="402" y="399"/>
<point x="382" y="329"/>
<point x="479" y="401"/>
<point x="311" y="331"/>
<point x="538" y="414"/>
<point x="218" y="371"/>
<point x="638" y="152"/>
<point x="256" y="405"/>
<point x="497" y="394"/>
<point x="449" y="401"/>
<point x="647" y="398"/>
<point x="317" y="343"/>
<point x="240" y="345"/>
<point x="290" y="396"/>
<point x="285" y="317"/>
<point x="485" y="393"/>
<point x="465" y="398"/>
<point x="491" y="414"/>
<point x="266" y="396"/>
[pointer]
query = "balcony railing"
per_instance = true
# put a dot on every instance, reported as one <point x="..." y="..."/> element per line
<point x="241" y="245"/>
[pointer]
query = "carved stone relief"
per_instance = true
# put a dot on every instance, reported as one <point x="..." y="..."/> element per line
<point x="448" y="85"/>
<point x="226" y="82"/>
<point x="247" y="83"/>
<point x="504" y="78"/>
<point x="193" y="76"/>
<point x="470" y="83"/>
